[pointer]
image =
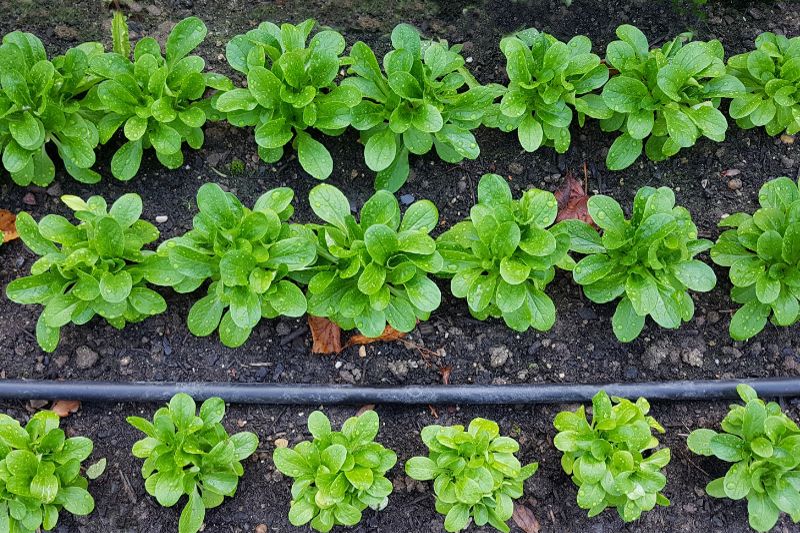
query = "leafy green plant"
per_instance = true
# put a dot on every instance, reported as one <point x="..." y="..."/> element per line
<point x="425" y="99"/>
<point x="95" y="268"/>
<point x="763" y="253"/>
<point x="764" y="446"/>
<point x="374" y="270"/>
<point x="475" y="473"/>
<point x="193" y="455"/>
<point x="156" y="100"/>
<point x="771" y="77"/>
<point x="667" y="95"/>
<point x="546" y="80"/>
<point x="39" y="104"/>
<point x="40" y="474"/>
<point x="648" y="260"/>
<point x="503" y="257"/>
<point x="338" y="474"/>
<point x="291" y="88"/>
<point x="609" y="459"/>
<point x="249" y="256"/>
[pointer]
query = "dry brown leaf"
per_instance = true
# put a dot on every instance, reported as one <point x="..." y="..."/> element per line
<point x="64" y="408"/>
<point x="8" y="225"/>
<point x="389" y="335"/>
<point x="525" y="520"/>
<point x="572" y="200"/>
<point x="445" y="372"/>
<point x="365" y="408"/>
<point x="326" y="336"/>
<point x="787" y="139"/>
<point x="731" y="172"/>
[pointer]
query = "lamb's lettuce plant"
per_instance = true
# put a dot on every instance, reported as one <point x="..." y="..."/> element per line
<point x="191" y="454"/>
<point x="249" y="255"/>
<point x="764" y="446"/>
<point x="771" y="77"/>
<point x="423" y="98"/>
<point x="476" y="474"/>
<point x="39" y="105"/>
<point x="157" y="100"/>
<point x="502" y="259"/>
<point x="291" y="89"/>
<point x="611" y="459"/>
<point x="547" y="79"/>
<point x="97" y="267"/>
<point x="668" y="96"/>
<point x="338" y="474"/>
<point x="375" y="270"/>
<point x="647" y="260"/>
<point x="763" y="253"/>
<point x="40" y="474"/>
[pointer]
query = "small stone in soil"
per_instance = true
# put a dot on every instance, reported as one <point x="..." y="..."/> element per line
<point x="161" y="219"/>
<point x="407" y="199"/>
<point x="29" y="199"/>
<point x="498" y="356"/>
<point x="85" y="357"/>
<point x="735" y="184"/>
<point x="516" y="168"/>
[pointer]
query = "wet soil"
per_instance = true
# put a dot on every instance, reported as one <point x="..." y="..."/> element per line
<point x="579" y="348"/>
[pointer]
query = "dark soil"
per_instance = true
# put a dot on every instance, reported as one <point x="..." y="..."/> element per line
<point x="579" y="348"/>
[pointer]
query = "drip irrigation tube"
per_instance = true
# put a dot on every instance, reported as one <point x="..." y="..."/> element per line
<point x="411" y="395"/>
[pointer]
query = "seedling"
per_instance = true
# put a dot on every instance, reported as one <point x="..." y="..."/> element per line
<point x="156" y="100"/>
<point x="764" y="446"/>
<point x="291" y="89"/>
<point x="476" y="474"/>
<point x="39" y="104"/>
<point x="249" y="255"/>
<point x="425" y="99"/>
<point x="338" y="474"/>
<point x="502" y="259"/>
<point x="547" y="78"/>
<point x="647" y="260"/>
<point x="95" y="268"/>
<point x="373" y="271"/>
<point x="193" y="455"/>
<point x="763" y="253"/>
<point x="668" y="96"/>
<point x="771" y="77"/>
<point x="40" y="474"/>
<point x="610" y="459"/>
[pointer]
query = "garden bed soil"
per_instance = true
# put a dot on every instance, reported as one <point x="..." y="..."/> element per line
<point x="579" y="348"/>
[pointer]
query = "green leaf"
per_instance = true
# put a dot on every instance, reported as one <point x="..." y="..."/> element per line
<point x="314" y="157"/>
<point x="329" y="204"/>
<point x="627" y="324"/>
<point x="624" y="151"/>
<point x="115" y="288"/>
<point x="193" y="514"/>
<point x="77" y="500"/>
<point x="380" y="150"/>
<point x="185" y="37"/>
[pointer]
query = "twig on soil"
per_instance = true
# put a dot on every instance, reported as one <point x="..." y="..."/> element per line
<point x="127" y="485"/>
<point x="302" y="330"/>
<point x="217" y="172"/>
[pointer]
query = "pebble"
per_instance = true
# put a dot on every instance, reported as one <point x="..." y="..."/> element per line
<point x="498" y="356"/>
<point x="516" y="168"/>
<point x="787" y="162"/>
<point x="85" y="357"/>
<point x="407" y="199"/>
<point x="734" y="184"/>
<point x="693" y="357"/>
<point x="161" y="219"/>
<point x="29" y="199"/>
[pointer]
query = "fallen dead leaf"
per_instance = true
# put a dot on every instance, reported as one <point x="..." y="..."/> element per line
<point x="389" y="335"/>
<point x="572" y="200"/>
<point x="64" y="408"/>
<point x="731" y="172"/>
<point x="365" y="408"/>
<point x="326" y="336"/>
<point x="787" y="139"/>
<point x="281" y="443"/>
<point x="525" y="520"/>
<point x="8" y="226"/>
<point x="445" y="372"/>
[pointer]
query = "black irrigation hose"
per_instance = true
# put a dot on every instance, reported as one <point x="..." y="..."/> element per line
<point x="251" y="393"/>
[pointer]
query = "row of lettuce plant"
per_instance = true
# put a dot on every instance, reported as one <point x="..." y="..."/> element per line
<point x="419" y="98"/>
<point x="614" y="460"/>
<point x="377" y="269"/>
